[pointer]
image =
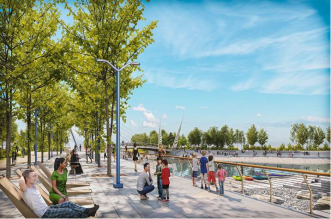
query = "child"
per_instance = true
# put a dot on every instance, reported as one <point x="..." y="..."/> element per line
<point x="211" y="172"/>
<point x="195" y="169"/>
<point x="159" y="180"/>
<point x="165" y="180"/>
<point x="221" y="175"/>
<point x="203" y="167"/>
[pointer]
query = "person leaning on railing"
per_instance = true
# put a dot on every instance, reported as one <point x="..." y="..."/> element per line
<point x="33" y="199"/>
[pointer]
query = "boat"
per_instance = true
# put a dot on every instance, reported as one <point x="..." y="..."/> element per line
<point x="271" y="174"/>
<point x="238" y="178"/>
<point x="249" y="178"/>
<point x="258" y="177"/>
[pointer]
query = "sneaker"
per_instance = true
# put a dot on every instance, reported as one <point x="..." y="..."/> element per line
<point x="159" y="198"/>
<point x="167" y="200"/>
<point x="201" y="187"/>
<point x="195" y="185"/>
<point x="164" y="200"/>
<point x="206" y="188"/>
<point x="143" y="198"/>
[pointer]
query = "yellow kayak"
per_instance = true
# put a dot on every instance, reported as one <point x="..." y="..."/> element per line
<point x="238" y="178"/>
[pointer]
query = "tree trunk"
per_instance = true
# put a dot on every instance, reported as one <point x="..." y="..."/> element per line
<point x="108" y="131"/>
<point x="57" y="141"/>
<point x="8" y="137"/>
<point x="29" y="129"/>
<point x="42" y="141"/>
<point x="49" y="145"/>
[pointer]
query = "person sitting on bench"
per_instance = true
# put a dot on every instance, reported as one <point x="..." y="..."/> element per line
<point x="58" y="192"/>
<point x="75" y="161"/>
<point x="34" y="200"/>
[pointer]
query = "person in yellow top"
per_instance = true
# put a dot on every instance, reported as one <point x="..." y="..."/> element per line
<point x="58" y="192"/>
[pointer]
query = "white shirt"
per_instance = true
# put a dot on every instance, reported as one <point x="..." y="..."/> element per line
<point x="142" y="180"/>
<point x="34" y="200"/>
<point x="211" y="166"/>
<point x="195" y="164"/>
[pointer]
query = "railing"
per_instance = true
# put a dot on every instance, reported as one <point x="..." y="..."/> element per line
<point x="274" y="182"/>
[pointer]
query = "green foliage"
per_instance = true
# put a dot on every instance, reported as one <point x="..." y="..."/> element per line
<point x="194" y="137"/>
<point x="328" y="136"/>
<point x="319" y="137"/>
<point x="252" y="135"/>
<point x="302" y="134"/>
<point x="262" y="137"/>
<point x="281" y="147"/>
<point x="182" y="141"/>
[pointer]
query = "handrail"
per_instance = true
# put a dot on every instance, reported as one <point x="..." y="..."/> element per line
<point x="258" y="166"/>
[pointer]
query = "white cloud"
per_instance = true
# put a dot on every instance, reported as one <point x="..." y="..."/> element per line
<point x="150" y="117"/>
<point x="180" y="107"/>
<point x="150" y="124"/>
<point x="140" y="107"/>
<point x="164" y="116"/>
<point x="133" y="123"/>
<point x="258" y="115"/>
<point x="316" y="119"/>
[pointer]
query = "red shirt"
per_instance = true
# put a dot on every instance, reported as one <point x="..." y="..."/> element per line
<point x="165" y="176"/>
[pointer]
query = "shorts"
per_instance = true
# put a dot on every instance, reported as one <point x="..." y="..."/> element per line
<point x="211" y="176"/>
<point x="194" y="174"/>
<point x="165" y="186"/>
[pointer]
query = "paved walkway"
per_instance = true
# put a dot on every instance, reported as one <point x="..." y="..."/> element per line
<point x="185" y="200"/>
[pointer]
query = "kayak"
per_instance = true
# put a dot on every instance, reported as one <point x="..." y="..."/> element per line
<point x="238" y="178"/>
<point x="260" y="177"/>
<point x="249" y="178"/>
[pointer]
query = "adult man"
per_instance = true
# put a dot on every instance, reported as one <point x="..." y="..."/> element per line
<point x="33" y="199"/>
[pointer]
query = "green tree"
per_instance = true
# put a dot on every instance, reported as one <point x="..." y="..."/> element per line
<point x="182" y="140"/>
<point x="223" y="136"/>
<point x="319" y="137"/>
<point x="311" y="133"/>
<point x="194" y="137"/>
<point x="252" y="135"/>
<point x="237" y="139"/>
<point x="328" y="136"/>
<point x="107" y="30"/>
<point x="171" y="138"/>
<point x="294" y="130"/>
<point x="302" y="134"/>
<point x="262" y="137"/>
<point x="231" y="137"/>
<point x="281" y="147"/>
<point x="153" y="136"/>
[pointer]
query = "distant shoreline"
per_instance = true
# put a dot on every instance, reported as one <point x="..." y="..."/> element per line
<point x="276" y="160"/>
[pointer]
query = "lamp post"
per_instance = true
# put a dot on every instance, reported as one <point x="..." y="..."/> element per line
<point x="118" y="184"/>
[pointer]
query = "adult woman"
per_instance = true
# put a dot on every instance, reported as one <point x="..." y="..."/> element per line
<point x="58" y="192"/>
<point x="144" y="184"/>
<point x="75" y="161"/>
<point x="135" y="156"/>
<point x="161" y="152"/>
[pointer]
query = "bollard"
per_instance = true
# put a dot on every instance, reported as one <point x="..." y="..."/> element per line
<point x="242" y="180"/>
<point x="270" y="183"/>
<point x="311" y="194"/>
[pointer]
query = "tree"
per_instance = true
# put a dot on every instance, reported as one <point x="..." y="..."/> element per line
<point x="319" y="137"/>
<point x="26" y="30"/>
<point x="223" y="135"/>
<point x="311" y="133"/>
<point x="262" y="137"/>
<point x="213" y="136"/>
<point x="252" y="135"/>
<point x="194" y="137"/>
<point x="153" y="136"/>
<point x="282" y="147"/>
<point x="302" y="134"/>
<point x="182" y="140"/>
<point x="171" y="138"/>
<point x="294" y="130"/>
<point x="231" y="137"/>
<point x="237" y="139"/>
<point x="107" y="30"/>
<point x="328" y="136"/>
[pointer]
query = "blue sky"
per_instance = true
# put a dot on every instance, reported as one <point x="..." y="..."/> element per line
<point x="234" y="62"/>
<point x="237" y="63"/>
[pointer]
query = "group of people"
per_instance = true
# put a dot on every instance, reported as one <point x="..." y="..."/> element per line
<point x="207" y="169"/>
<point x="62" y="207"/>
<point x="145" y="181"/>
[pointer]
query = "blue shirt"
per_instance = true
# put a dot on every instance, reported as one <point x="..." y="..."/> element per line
<point x="203" y="162"/>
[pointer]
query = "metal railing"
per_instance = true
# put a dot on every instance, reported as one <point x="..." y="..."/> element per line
<point x="273" y="180"/>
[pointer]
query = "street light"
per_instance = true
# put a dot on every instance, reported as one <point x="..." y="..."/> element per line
<point x="118" y="184"/>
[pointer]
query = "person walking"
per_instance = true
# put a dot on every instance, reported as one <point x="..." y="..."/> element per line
<point x="135" y="156"/>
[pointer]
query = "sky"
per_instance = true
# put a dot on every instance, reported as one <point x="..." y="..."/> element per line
<point x="234" y="63"/>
